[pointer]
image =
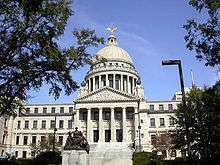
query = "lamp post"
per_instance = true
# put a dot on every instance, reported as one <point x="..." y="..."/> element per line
<point x="178" y="62"/>
<point x="54" y="133"/>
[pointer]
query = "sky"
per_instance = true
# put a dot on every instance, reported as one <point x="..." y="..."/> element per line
<point x="150" y="31"/>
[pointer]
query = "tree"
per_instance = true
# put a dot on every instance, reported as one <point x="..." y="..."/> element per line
<point x="30" y="55"/>
<point x="44" y="145"/>
<point x="203" y="120"/>
<point x="204" y="37"/>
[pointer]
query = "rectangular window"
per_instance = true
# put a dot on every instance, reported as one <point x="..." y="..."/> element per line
<point x="26" y="124"/>
<point x="70" y="109"/>
<point x="119" y="135"/>
<point x="43" y="126"/>
<point x="153" y="139"/>
<point x="107" y="135"/>
<point x="117" y="82"/>
<point x="60" y="140"/>
<point x="151" y="107"/>
<point x="61" y="124"/>
<point x="70" y="124"/>
<point x="95" y="135"/>
<point x="161" y="107"/>
<point x="118" y="115"/>
<point x="24" y="154"/>
<point x="152" y="122"/>
<point x="25" y="140"/>
<point x="35" y="124"/>
<point x="34" y="139"/>
<point x="16" y="154"/>
<point x="103" y="80"/>
<point x="130" y="115"/>
<point x="19" y="125"/>
<point x="96" y="82"/>
<point x="95" y="115"/>
<point x="52" y="124"/>
<point x="43" y="138"/>
<point x="162" y="122"/>
<point x="83" y="115"/>
<point x="44" y="109"/>
<point x="28" y="110"/>
<point x="170" y="107"/>
<point x="53" y="109"/>
<point x="35" y="110"/>
<point x="17" y="140"/>
<point x="107" y="115"/>
<point x="171" y="121"/>
<point x="61" y="109"/>
<point x="110" y="79"/>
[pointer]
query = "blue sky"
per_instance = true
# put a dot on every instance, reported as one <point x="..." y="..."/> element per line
<point x="150" y="31"/>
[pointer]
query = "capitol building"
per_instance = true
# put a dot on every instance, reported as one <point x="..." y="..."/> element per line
<point x="110" y="109"/>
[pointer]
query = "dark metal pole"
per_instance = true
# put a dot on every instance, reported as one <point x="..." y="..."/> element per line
<point x="185" y="109"/>
<point x="54" y="133"/>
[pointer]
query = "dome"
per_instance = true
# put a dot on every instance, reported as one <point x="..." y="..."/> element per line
<point x="114" y="53"/>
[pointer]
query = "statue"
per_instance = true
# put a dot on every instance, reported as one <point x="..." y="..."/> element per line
<point x="112" y="30"/>
<point x="76" y="141"/>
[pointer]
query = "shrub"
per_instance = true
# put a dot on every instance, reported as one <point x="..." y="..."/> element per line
<point x="46" y="158"/>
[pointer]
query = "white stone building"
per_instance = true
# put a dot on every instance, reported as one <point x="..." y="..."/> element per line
<point x="110" y="108"/>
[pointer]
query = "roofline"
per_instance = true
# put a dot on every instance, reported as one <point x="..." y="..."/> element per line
<point x="46" y="104"/>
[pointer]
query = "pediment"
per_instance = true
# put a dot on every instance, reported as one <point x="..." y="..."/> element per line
<point x="106" y="94"/>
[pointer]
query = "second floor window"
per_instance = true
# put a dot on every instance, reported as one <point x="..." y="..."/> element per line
<point x="52" y="124"/>
<point x="107" y="115"/>
<point x="43" y="126"/>
<point x="19" y="125"/>
<point x="170" y="106"/>
<point x="61" y="109"/>
<point x="70" y="109"/>
<point x="130" y="115"/>
<point x="35" y="110"/>
<point x="26" y="124"/>
<point x="44" y="109"/>
<point x="153" y="139"/>
<point x="162" y="122"/>
<point x="25" y="140"/>
<point x="118" y="115"/>
<point x="53" y="110"/>
<point x="171" y="121"/>
<point x="61" y="124"/>
<point x="151" y="107"/>
<point x="27" y="110"/>
<point x="70" y="124"/>
<point x="161" y="107"/>
<point x="17" y="140"/>
<point x="34" y="139"/>
<point x="152" y="122"/>
<point x="35" y="124"/>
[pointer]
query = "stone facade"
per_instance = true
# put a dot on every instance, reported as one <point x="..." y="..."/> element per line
<point x="110" y="108"/>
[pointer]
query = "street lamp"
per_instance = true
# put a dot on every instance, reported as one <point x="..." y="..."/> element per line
<point x="54" y="133"/>
<point x="178" y="62"/>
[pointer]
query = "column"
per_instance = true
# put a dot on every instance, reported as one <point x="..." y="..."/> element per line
<point x="93" y="79"/>
<point x="114" y="81"/>
<point x="76" y="118"/>
<point x="101" y="130"/>
<point x="88" y="126"/>
<point x="107" y="82"/>
<point x="136" y="123"/>
<point x="124" y="124"/>
<point x="100" y="84"/>
<point x="113" y="138"/>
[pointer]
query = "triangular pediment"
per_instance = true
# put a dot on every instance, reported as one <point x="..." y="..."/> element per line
<point x="106" y="94"/>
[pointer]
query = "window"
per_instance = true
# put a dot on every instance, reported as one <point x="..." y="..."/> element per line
<point x="96" y="82"/>
<point x="43" y="126"/>
<point x="52" y="124"/>
<point x="27" y="110"/>
<point x="117" y="82"/>
<point x="151" y="107"/>
<point x="24" y="154"/>
<point x="34" y="139"/>
<point x="26" y="124"/>
<point x="16" y="154"/>
<point x="5" y="123"/>
<point x="95" y="135"/>
<point x="162" y="123"/>
<point x="35" y="110"/>
<point x="70" y="124"/>
<point x="19" y="125"/>
<point x="173" y="153"/>
<point x="153" y="139"/>
<point x="130" y="115"/>
<point x="25" y="140"/>
<point x="107" y="115"/>
<point x="103" y="80"/>
<point x="152" y="122"/>
<point x="164" y="153"/>
<point x="35" y="124"/>
<point x="96" y="115"/>
<point x="70" y="109"/>
<point x="110" y="79"/>
<point x="119" y="135"/>
<point x="142" y="121"/>
<point x="44" y="109"/>
<point x="61" y="124"/>
<point x="43" y="138"/>
<point x="161" y="107"/>
<point x="118" y="115"/>
<point x="171" y="121"/>
<point x="60" y="141"/>
<point x="53" y="109"/>
<point x="170" y="106"/>
<point x="17" y="140"/>
<point x="61" y="109"/>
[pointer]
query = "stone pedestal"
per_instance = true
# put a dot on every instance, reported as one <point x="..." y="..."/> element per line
<point x="75" y="157"/>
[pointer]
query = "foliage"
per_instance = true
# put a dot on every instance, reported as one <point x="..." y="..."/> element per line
<point x="46" y="158"/>
<point x="204" y="37"/>
<point x="202" y="111"/>
<point x="30" y="54"/>
<point x="45" y="145"/>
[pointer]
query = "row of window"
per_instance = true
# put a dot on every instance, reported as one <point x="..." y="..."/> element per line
<point x="162" y="122"/>
<point x="161" y="107"/>
<point x="34" y="140"/>
<point x="43" y="124"/>
<point x="46" y="110"/>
